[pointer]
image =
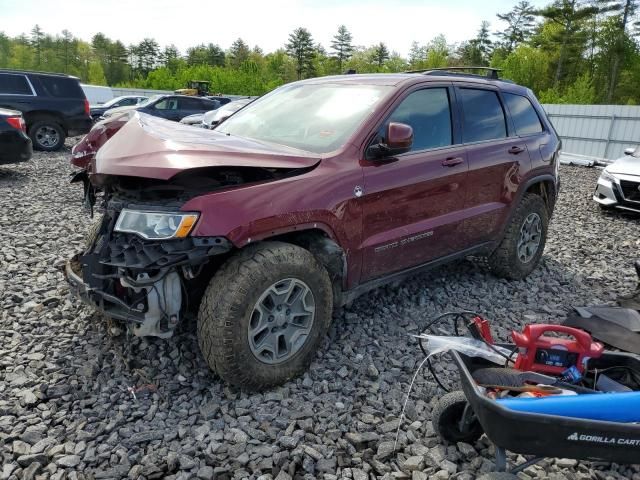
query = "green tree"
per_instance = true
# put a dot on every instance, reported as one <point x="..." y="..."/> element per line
<point x="238" y="53"/>
<point x="625" y="21"/>
<point x="380" y="54"/>
<point x="570" y="16"/>
<point x="520" y="22"/>
<point x="482" y="44"/>
<point x="36" y="42"/>
<point x="96" y="74"/>
<point x="300" y="46"/>
<point x="342" y="46"/>
<point x="417" y="56"/>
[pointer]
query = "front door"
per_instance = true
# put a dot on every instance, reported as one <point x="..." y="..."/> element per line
<point x="412" y="204"/>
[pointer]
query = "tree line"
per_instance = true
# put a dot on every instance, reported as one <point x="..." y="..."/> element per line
<point x="571" y="51"/>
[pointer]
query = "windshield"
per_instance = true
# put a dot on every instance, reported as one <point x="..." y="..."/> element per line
<point x="112" y="102"/>
<point x="149" y="100"/>
<point x="315" y="118"/>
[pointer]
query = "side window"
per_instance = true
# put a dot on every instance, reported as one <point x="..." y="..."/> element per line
<point x="14" y="84"/>
<point x="429" y="114"/>
<point x="524" y="116"/>
<point x="191" y="104"/>
<point x="483" y="115"/>
<point x="125" y="102"/>
<point x="62" y="87"/>
<point x="167" y="104"/>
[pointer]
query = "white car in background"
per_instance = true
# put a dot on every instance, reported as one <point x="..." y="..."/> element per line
<point x="619" y="183"/>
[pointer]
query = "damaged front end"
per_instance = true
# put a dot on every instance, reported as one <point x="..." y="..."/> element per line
<point x="143" y="282"/>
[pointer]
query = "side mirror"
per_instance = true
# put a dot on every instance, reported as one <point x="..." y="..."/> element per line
<point x="399" y="140"/>
<point x="629" y="151"/>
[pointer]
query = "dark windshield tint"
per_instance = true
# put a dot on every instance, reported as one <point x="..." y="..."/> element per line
<point x="483" y="115"/>
<point x="14" y="84"/>
<point x="524" y="116"/>
<point x="428" y="113"/>
<point x="62" y="87"/>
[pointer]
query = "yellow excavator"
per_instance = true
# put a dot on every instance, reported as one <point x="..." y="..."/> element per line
<point x="198" y="88"/>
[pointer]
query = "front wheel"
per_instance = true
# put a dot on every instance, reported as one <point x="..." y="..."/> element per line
<point x="264" y="314"/>
<point x="523" y="244"/>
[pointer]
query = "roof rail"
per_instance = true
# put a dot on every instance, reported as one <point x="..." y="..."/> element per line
<point x="492" y="73"/>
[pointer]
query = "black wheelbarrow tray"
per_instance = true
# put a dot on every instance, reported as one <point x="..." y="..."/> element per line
<point x="540" y="435"/>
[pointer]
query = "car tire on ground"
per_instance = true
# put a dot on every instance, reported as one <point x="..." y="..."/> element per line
<point x="47" y="135"/>
<point x="523" y="243"/>
<point x="264" y="314"/>
<point x="446" y="416"/>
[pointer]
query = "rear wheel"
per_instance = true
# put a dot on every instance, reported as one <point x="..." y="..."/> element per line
<point x="47" y="135"/>
<point x="264" y="314"/>
<point x="523" y="243"/>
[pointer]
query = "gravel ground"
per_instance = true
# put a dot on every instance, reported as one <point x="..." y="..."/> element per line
<point x="76" y="403"/>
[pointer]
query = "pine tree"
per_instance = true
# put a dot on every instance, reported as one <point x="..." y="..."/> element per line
<point x="342" y="46"/>
<point x="238" y="53"/>
<point x="570" y="16"/>
<point x="380" y="54"/>
<point x="483" y="44"/>
<point x="301" y="47"/>
<point x="625" y="10"/>
<point x="520" y="22"/>
<point x="36" y="42"/>
<point x="417" y="55"/>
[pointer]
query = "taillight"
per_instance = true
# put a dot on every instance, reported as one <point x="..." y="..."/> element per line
<point x="86" y="107"/>
<point x="17" y="122"/>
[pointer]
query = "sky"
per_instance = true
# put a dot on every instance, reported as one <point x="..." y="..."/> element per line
<point x="265" y="23"/>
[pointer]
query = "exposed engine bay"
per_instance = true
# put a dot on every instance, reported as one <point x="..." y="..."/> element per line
<point x="147" y="283"/>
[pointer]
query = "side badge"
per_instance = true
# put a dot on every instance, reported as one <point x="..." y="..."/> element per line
<point x="357" y="191"/>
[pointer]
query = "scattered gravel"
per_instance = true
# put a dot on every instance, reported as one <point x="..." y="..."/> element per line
<point x="67" y="403"/>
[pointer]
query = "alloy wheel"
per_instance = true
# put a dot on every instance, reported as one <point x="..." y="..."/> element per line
<point x="47" y="137"/>
<point x="530" y="236"/>
<point x="281" y="321"/>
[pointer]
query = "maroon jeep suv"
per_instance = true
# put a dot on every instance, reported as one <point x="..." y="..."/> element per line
<point x="308" y="197"/>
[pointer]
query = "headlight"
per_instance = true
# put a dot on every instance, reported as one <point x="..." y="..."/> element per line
<point x="156" y="225"/>
<point x="607" y="176"/>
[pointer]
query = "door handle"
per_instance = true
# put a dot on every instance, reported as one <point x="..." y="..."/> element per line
<point x="516" y="150"/>
<point x="452" y="161"/>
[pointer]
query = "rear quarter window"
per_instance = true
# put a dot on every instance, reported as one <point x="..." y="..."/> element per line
<point x="524" y="116"/>
<point x="14" y="84"/>
<point x="62" y="87"/>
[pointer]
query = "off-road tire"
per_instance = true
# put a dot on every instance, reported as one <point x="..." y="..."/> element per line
<point x="504" y="261"/>
<point x="92" y="234"/>
<point x="227" y="304"/>
<point x="51" y="124"/>
<point x="446" y="416"/>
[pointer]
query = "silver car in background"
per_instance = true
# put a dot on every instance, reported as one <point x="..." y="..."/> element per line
<point x="619" y="183"/>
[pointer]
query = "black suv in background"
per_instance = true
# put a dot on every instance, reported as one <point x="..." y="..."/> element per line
<point x="53" y="105"/>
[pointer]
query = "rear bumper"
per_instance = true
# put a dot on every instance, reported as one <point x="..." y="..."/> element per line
<point x="15" y="146"/>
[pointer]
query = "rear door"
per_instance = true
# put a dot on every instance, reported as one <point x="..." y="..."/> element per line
<point x="166" y="108"/>
<point x="190" y="106"/>
<point x="497" y="160"/>
<point x="412" y="204"/>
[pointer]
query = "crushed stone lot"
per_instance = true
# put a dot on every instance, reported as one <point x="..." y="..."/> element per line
<point x="75" y="403"/>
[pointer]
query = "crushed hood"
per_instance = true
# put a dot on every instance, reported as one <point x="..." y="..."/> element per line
<point x="152" y="147"/>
